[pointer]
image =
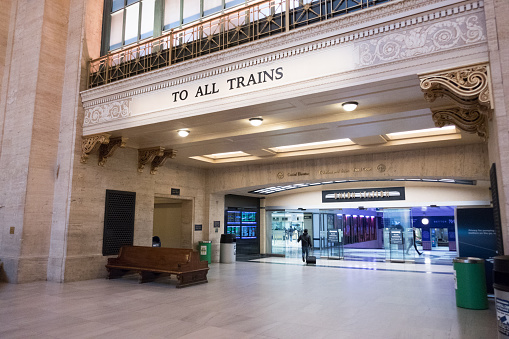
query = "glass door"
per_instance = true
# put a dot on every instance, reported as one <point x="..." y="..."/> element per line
<point x="331" y="235"/>
<point x="398" y="235"/>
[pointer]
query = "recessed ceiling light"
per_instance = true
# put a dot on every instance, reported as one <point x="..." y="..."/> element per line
<point x="183" y="133"/>
<point x="350" y="105"/>
<point x="256" y="121"/>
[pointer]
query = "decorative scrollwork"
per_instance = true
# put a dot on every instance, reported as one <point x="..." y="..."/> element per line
<point x="147" y="155"/>
<point x="91" y="143"/>
<point x="469" y="89"/>
<point x="467" y="86"/>
<point x="107" y="150"/>
<point x="160" y="160"/>
<point x="469" y="120"/>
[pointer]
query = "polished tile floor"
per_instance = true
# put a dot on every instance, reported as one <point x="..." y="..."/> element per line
<point x="258" y="299"/>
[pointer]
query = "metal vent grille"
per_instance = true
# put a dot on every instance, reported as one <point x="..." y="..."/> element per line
<point x="118" y="221"/>
<point x="496" y="209"/>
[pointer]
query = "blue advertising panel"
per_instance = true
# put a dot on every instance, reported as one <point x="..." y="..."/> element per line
<point x="477" y="238"/>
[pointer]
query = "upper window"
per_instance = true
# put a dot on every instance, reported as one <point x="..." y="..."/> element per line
<point x="131" y="21"/>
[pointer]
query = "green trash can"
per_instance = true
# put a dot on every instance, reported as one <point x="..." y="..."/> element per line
<point x="470" y="283"/>
<point x="205" y="249"/>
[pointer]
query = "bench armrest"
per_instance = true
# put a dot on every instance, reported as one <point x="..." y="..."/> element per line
<point x="112" y="261"/>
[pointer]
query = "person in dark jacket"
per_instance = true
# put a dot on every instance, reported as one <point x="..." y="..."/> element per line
<point x="306" y="244"/>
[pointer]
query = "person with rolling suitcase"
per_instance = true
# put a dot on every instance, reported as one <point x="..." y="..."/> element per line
<point x="306" y="244"/>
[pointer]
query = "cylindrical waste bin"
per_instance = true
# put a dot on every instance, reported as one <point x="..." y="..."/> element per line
<point x="470" y="283"/>
<point x="501" y="286"/>
<point x="205" y="248"/>
<point x="228" y="250"/>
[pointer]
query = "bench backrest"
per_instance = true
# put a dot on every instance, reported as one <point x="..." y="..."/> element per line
<point x="156" y="257"/>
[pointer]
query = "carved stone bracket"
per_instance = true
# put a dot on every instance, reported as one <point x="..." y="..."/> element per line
<point x="107" y="150"/>
<point x="160" y="160"/>
<point x="91" y="142"/>
<point x="147" y="155"/>
<point x="468" y="120"/>
<point x="470" y="90"/>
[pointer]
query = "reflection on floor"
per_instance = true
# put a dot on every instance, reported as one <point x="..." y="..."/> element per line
<point x="437" y="256"/>
<point x="248" y="300"/>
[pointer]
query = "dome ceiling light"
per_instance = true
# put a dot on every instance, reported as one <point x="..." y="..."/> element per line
<point x="183" y="133"/>
<point x="350" y="105"/>
<point x="256" y="121"/>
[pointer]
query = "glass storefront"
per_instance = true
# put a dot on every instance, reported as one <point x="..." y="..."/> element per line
<point x="380" y="234"/>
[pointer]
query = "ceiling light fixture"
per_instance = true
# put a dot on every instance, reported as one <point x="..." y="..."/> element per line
<point x="183" y="133"/>
<point x="256" y="121"/>
<point x="350" y="105"/>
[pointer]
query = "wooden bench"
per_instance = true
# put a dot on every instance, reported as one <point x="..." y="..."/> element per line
<point x="153" y="262"/>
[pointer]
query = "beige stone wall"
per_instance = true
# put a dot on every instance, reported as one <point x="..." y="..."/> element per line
<point x="497" y="12"/>
<point x="30" y="138"/>
<point x="84" y="259"/>
<point x="461" y="162"/>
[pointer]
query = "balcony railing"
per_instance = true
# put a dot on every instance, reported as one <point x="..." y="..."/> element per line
<point x="248" y="24"/>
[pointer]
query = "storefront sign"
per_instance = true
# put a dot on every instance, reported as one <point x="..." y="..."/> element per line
<point x="333" y="236"/>
<point x="371" y="194"/>
<point x="396" y="237"/>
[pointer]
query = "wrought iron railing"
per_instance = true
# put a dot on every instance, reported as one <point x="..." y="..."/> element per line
<point x="248" y="24"/>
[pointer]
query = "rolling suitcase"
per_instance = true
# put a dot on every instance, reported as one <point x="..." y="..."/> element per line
<point x="311" y="260"/>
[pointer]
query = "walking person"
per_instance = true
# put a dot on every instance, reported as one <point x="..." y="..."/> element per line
<point x="306" y="244"/>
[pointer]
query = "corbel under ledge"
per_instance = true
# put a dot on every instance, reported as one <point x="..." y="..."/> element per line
<point x="160" y="160"/>
<point x="147" y="155"/>
<point x="107" y="150"/>
<point x="91" y="142"/>
<point x="469" y="88"/>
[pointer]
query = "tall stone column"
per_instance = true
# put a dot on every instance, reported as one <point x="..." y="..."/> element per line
<point x="498" y="143"/>
<point x="33" y="71"/>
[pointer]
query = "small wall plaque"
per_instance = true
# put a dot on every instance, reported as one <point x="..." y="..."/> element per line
<point x="175" y="191"/>
<point x="198" y="227"/>
<point x="217" y="223"/>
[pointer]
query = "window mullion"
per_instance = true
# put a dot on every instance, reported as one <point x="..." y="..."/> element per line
<point x="139" y="20"/>
<point x="124" y="13"/>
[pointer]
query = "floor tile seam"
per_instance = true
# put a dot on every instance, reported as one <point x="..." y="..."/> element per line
<point x="354" y="268"/>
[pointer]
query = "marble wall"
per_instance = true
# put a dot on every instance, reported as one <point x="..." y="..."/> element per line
<point x="497" y="12"/>
<point x="33" y="78"/>
<point x="461" y="162"/>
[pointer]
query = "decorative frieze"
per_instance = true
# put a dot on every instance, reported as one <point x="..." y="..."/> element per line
<point x="112" y="110"/>
<point x="423" y="40"/>
<point x="469" y="91"/>
<point x="107" y="150"/>
<point x="91" y="143"/>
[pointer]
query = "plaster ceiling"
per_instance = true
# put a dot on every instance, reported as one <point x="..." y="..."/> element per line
<point x="384" y="107"/>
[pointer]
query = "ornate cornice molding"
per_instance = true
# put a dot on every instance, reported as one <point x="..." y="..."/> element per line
<point x="91" y="143"/>
<point x="469" y="89"/>
<point x="124" y="88"/>
<point x="107" y="150"/>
